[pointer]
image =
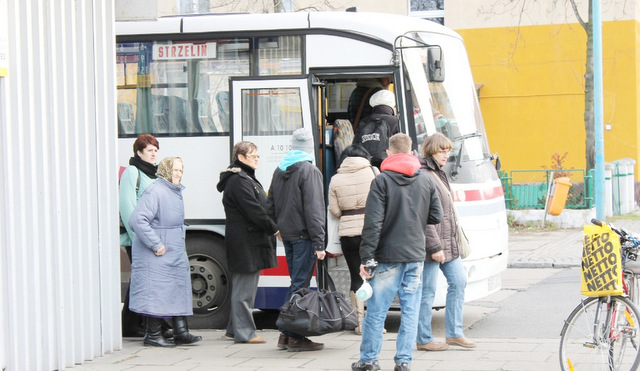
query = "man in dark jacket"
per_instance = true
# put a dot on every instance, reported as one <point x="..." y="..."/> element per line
<point x="401" y="203"/>
<point x="296" y="203"/>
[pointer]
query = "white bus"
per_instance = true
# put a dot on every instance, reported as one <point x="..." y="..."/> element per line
<point x="202" y="83"/>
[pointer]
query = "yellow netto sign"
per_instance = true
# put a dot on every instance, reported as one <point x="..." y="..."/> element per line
<point x="601" y="262"/>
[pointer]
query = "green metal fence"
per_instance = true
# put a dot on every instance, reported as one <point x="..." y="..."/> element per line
<point x="527" y="189"/>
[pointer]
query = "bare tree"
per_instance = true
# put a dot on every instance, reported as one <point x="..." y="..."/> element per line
<point x="589" y="116"/>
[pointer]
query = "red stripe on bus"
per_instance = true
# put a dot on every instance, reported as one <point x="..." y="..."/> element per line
<point x="479" y="194"/>
<point x="280" y="270"/>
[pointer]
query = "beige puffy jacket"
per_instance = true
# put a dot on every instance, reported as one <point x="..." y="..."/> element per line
<point x="348" y="192"/>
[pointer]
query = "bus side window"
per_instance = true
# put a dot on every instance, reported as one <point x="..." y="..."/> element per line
<point x="178" y="115"/>
<point x="222" y="98"/>
<point x="160" y="114"/>
<point x="126" y="122"/>
<point x="201" y="119"/>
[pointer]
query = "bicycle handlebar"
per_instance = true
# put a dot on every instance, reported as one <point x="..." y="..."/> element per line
<point x="596" y="222"/>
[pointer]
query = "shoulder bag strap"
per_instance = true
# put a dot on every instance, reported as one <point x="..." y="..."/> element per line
<point x="355" y="122"/>
<point x="138" y="184"/>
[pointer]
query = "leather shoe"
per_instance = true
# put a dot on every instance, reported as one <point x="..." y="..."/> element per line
<point x="461" y="342"/>
<point x="228" y="336"/>
<point x="283" y="341"/>
<point x="256" y="340"/>
<point x="433" y="346"/>
<point x="303" y="345"/>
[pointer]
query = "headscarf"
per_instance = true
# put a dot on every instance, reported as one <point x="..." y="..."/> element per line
<point x="165" y="168"/>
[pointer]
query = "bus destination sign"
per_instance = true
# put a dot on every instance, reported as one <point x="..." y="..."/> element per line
<point x="184" y="51"/>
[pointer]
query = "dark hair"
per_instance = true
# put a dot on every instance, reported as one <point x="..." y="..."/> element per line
<point x="242" y="148"/>
<point x="143" y="141"/>
<point x="354" y="150"/>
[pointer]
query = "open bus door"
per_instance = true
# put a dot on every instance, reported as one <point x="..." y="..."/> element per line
<point x="267" y="112"/>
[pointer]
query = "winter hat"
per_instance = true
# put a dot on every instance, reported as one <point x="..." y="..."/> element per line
<point x="302" y="140"/>
<point x="383" y="97"/>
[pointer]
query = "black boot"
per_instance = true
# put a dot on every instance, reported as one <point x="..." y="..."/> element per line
<point x="153" y="335"/>
<point x="167" y="330"/>
<point x="181" y="333"/>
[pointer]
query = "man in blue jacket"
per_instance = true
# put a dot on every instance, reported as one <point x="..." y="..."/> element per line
<point x="401" y="203"/>
<point x="296" y="203"/>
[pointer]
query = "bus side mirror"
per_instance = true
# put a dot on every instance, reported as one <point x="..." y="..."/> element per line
<point x="498" y="163"/>
<point x="435" y="63"/>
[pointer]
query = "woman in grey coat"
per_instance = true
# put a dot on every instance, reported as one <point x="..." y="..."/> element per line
<point x="160" y="277"/>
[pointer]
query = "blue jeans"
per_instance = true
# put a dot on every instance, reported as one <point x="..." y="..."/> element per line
<point x="457" y="280"/>
<point x="300" y="258"/>
<point x="403" y="279"/>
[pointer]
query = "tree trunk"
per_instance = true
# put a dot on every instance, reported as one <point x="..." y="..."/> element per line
<point x="589" y="118"/>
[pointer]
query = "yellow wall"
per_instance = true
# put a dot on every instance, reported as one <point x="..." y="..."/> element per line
<point x="533" y="95"/>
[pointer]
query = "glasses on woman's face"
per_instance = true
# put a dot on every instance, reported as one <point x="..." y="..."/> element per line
<point x="255" y="156"/>
<point x="444" y="152"/>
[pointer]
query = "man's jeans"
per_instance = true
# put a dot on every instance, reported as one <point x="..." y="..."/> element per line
<point x="457" y="281"/>
<point x="300" y="260"/>
<point x="404" y="279"/>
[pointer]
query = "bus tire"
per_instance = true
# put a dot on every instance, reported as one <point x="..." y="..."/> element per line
<point x="210" y="281"/>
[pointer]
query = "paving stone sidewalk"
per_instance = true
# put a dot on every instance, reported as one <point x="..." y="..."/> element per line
<point x="541" y="249"/>
<point x="560" y="248"/>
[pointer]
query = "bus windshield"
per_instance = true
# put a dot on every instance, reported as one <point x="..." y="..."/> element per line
<point x="448" y="107"/>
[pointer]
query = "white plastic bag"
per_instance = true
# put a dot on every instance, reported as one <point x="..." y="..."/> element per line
<point x="333" y="240"/>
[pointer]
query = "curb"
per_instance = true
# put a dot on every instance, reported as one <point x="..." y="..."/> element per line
<point x="542" y="265"/>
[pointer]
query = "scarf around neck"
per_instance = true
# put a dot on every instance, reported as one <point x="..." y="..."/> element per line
<point x="147" y="168"/>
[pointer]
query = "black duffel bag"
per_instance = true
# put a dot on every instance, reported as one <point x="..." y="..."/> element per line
<point x="313" y="313"/>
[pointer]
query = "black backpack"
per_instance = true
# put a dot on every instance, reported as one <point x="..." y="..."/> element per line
<point x="373" y="134"/>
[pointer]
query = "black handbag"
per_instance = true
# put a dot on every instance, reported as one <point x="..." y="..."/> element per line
<point x="317" y="312"/>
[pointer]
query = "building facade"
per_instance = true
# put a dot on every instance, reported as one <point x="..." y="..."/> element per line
<point x="530" y="57"/>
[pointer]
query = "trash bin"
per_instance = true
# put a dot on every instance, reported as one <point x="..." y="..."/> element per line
<point x="559" y="193"/>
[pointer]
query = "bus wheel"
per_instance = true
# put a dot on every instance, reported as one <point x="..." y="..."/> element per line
<point x="210" y="281"/>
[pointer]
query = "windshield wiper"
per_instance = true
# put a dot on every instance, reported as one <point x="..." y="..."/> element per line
<point x="462" y="138"/>
<point x="491" y="157"/>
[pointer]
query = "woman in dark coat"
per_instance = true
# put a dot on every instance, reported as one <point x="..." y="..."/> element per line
<point x="250" y="238"/>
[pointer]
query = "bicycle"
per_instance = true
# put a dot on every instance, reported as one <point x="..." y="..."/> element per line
<point x="603" y="332"/>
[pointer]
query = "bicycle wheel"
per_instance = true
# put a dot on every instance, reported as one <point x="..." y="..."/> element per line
<point x="601" y="334"/>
